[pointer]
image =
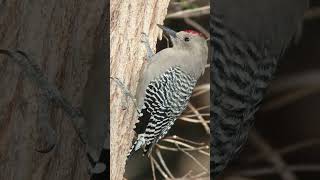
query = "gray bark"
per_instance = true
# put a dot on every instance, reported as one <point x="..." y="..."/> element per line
<point x="64" y="38"/>
<point x="128" y="20"/>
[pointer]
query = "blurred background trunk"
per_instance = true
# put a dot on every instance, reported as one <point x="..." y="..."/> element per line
<point x="128" y="20"/>
<point x="64" y="38"/>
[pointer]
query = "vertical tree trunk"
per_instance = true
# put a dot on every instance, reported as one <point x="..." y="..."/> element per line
<point x="62" y="37"/>
<point x="128" y="20"/>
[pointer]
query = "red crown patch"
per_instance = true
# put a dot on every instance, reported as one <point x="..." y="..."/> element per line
<point x="195" y="33"/>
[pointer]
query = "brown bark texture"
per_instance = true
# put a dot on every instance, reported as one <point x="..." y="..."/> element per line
<point x="128" y="20"/>
<point x="64" y="39"/>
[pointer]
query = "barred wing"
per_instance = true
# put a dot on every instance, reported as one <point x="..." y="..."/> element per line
<point x="166" y="98"/>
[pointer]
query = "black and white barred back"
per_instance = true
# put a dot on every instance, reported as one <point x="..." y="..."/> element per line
<point x="240" y="75"/>
<point x="165" y="99"/>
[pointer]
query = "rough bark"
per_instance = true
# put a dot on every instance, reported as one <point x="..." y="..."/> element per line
<point x="128" y="20"/>
<point x="63" y="38"/>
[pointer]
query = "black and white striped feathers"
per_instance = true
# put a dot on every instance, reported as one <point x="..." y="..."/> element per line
<point x="238" y="88"/>
<point x="166" y="84"/>
<point x="247" y="37"/>
<point x="165" y="99"/>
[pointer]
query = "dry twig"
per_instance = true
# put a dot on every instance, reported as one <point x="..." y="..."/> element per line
<point x="203" y="121"/>
<point x="288" y="149"/>
<point x="292" y="168"/>
<point x="193" y="158"/>
<point x="272" y="156"/>
<point x="205" y="10"/>
<point x="197" y="26"/>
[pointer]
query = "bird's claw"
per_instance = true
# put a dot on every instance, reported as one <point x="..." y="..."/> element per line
<point x="145" y="41"/>
<point x="144" y="37"/>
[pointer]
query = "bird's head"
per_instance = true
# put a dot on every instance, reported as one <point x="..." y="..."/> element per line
<point x="192" y="45"/>
<point x="187" y="39"/>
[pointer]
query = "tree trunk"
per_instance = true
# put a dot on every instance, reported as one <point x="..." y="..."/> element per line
<point x="64" y="38"/>
<point x="128" y="20"/>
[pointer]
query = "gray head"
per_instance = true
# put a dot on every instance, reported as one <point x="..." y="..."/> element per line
<point x="187" y="39"/>
<point x="192" y="43"/>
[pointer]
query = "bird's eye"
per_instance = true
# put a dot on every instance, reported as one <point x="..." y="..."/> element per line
<point x="186" y="39"/>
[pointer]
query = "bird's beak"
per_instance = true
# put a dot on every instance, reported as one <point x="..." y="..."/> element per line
<point x="168" y="31"/>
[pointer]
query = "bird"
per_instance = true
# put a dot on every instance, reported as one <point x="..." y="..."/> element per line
<point x="166" y="83"/>
<point x="248" y="38"/>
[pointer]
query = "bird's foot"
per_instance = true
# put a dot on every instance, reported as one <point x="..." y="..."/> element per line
<point x="126" y="92"/>
<point x="145" y="41"/>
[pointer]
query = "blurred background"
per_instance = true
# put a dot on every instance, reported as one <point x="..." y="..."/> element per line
<point x="286" y="137"/>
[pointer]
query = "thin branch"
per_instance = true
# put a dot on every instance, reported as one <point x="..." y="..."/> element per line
<point x="197" y="26"/>
<point x="166" y="148"/>
<point x="193" y="158"/>
<point x="203" y="121"/>
<point x="272" y="156"/>
<point x="205" y="10"/>
<point x="153" y="170"/>
<point x="295" y="81"/>
<point x="199" y="108"/>
<point x="185" y="145"/>
<point x="187" y="174"/>
<point x="288" y="98"/>
<point x="202" y="174"/>
<point x="164" y="165"/>
<point x="199" y="93"/>
<point x="175" y="137"/>
<point x="193" y="115"/>
<point x="300" y="85"/>
<point x="192" y="120"/>
<point x="269" y="171"/>
<point x="158" y="167"/>
<point x="288" y="149"/>
<point x="126" y="93"/>
<point x="202" y="87"/>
